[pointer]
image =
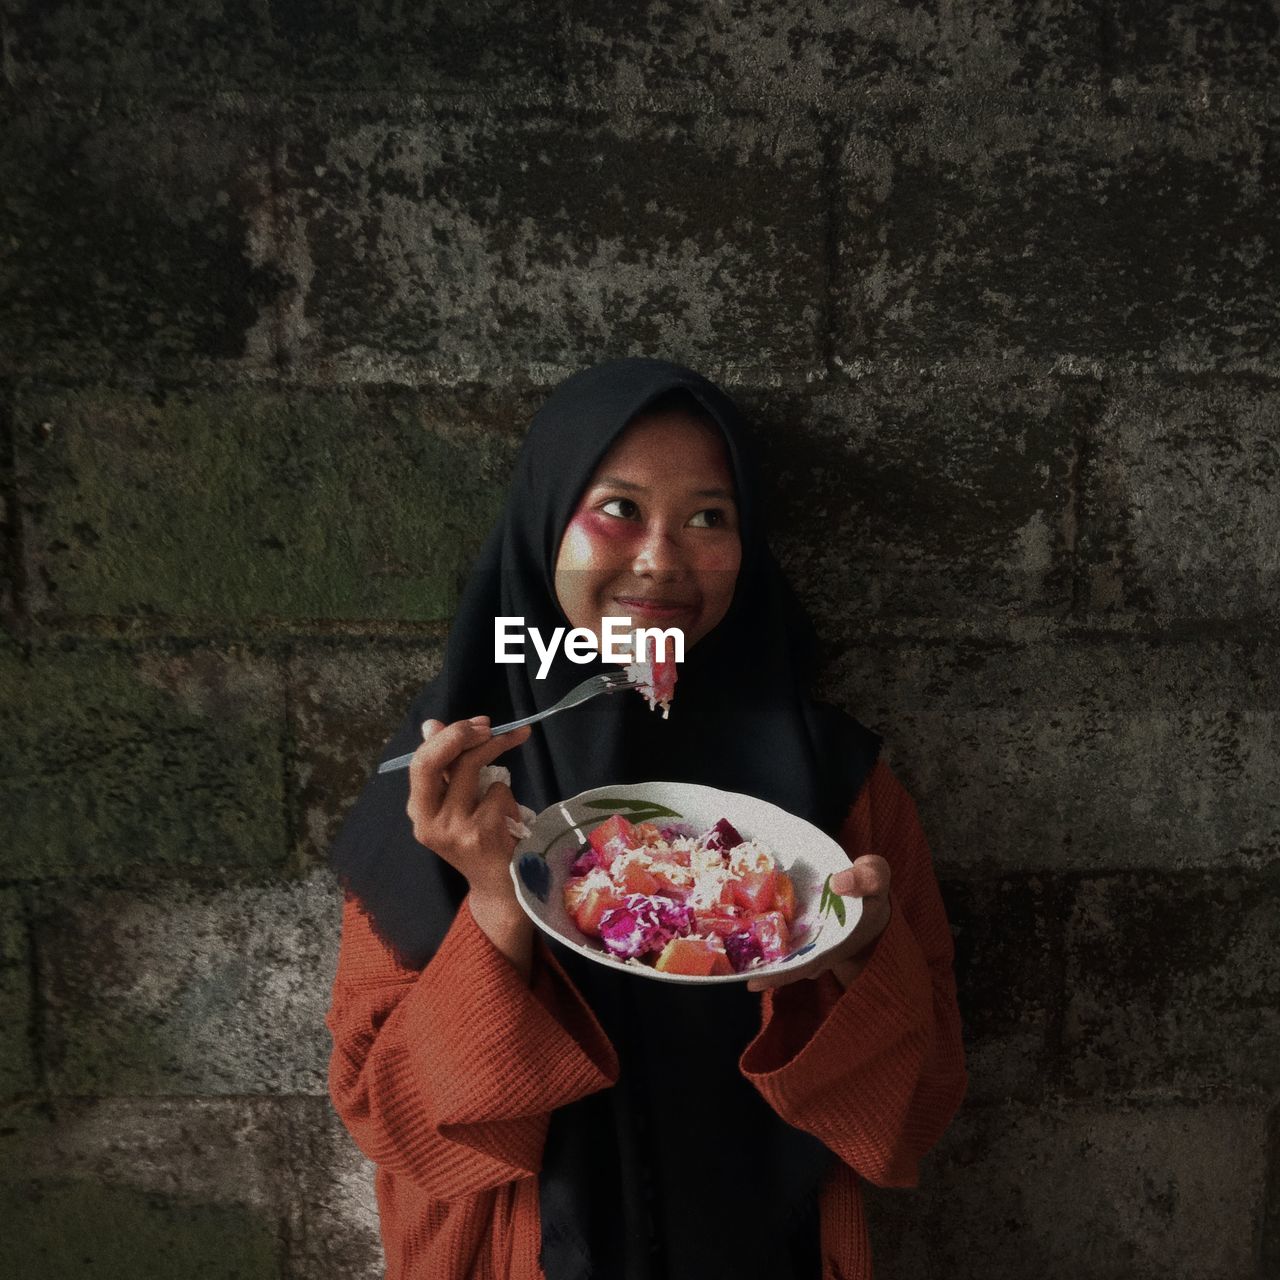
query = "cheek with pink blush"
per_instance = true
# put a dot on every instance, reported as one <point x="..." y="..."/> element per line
<point x="595" y="524"/>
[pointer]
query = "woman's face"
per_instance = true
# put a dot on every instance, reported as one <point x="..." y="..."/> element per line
<point x="655" y="535"/>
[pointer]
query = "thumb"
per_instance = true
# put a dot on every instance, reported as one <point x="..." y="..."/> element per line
<point x="868" y="877"/>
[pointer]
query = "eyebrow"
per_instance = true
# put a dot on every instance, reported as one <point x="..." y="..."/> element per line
<point x="617" y="482"/>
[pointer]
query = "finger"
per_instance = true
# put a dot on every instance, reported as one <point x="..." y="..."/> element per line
<point x="495" y="806"/>
<point x="428" y="779"/>
<point x="426" y="784"/>
<point x="464" y="777"/>
<point x="447" y="743"/>
<point x="868" y="877"/>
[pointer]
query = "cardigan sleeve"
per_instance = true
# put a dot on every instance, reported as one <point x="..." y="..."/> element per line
<point x="876" y="1071"/>
<point x="448" y="1075"/>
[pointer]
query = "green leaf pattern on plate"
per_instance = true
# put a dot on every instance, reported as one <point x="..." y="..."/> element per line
<point x="831" y="901"/>
<point x="636" y="810"/>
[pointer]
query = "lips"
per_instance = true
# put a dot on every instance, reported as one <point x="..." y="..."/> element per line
<point x="647" y="604"/>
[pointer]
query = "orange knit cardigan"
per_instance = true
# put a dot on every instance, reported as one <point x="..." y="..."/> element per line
<point x="447" y="1077"/>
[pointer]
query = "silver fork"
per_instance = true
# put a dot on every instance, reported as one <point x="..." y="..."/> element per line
<point x="608" y="682"/>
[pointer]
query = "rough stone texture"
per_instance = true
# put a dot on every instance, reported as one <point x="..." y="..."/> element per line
<point x="1182" y="501"/>
<point x="1090" y="754"/>
<point x="10" y="619"/>
<point x="806" y="49"/>
<point x="257" y="1162"/>
<point x="1228" y="42"/>
<point x="1173" y="982"/>
<point x="448" y="244"/>
<point x="18" y="1072"/>
<point x="811" y="50"/>
<point x="134" y="240"/>
<point x="1111" y="1194"/>
<point x="1009" y="968"/>
<point x="86" y="44"/>
<point x="140" y="763"/>
<point x="1075" y="231"/>
<point x="279" y="285"/>
<point x="79" y="45"/>
<point x="214" y="507"/>
<point x="345" y="703"/>
<point x="1269" y="1243"/>
<point x="334" y="1216"/>
<point x="183" y="991"/>
<point x="872" y="524"/>
<point x="146" y="1145"/>
<point x="65" y="1227"/>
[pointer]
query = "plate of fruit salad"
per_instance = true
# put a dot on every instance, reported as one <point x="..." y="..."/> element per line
<point x="682" y="882"/>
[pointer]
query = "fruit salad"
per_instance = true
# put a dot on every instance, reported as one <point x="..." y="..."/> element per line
<point x="704" y="904"/>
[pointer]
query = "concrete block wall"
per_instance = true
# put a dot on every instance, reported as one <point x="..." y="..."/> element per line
<point x="280" y="284"/>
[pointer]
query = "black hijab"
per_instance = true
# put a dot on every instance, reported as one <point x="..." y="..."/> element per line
<point x="681" y="1170"/>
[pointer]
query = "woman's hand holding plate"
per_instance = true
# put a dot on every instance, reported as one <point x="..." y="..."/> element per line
<point x="868" y="879"/>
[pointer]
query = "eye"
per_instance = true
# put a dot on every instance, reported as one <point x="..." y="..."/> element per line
<point x="711" y="518"/>
<point x="629" y="508"/>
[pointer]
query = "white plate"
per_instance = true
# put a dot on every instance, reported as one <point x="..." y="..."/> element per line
<point x="540" y="864"/>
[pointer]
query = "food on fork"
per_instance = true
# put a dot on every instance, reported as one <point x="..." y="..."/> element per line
<point x="656" y="676"/>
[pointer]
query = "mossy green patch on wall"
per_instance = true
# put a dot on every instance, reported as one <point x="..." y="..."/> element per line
<point x="78" y="1230"/>
<point x="250" y="504"/>
<point x="129" y="762"/>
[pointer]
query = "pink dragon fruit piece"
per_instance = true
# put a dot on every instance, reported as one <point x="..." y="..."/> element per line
<point x="587" y="860"/>
<point x="674" y="830"/>
<point x="674" y="916"/>
<point x="635" y="928"/>
<point x="743" y="947"/>
<point x="723" y="836"/>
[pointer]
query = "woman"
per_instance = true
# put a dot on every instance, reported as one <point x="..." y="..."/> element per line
<point x="532" y="1113"/>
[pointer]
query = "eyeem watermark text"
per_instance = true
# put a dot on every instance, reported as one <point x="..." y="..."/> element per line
<point x="580" y="645"/>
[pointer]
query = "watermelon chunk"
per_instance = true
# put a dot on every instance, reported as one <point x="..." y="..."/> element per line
<point x="754" y="891"/>
<point x="643" y="833"/>
<point x="635" y="879"/>
<point x="613" y="828"/>
<point x="699" y="957"/>
<point x="784" y="897"/>
<point x="592" y="907"/>
<point x="716" y="922"/>
<point x="673" y="882"/>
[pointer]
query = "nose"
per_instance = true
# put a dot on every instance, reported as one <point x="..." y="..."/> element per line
<point x="659" y="554"/>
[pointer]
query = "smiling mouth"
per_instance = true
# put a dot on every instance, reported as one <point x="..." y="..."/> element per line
<point x="656" y="606"/>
